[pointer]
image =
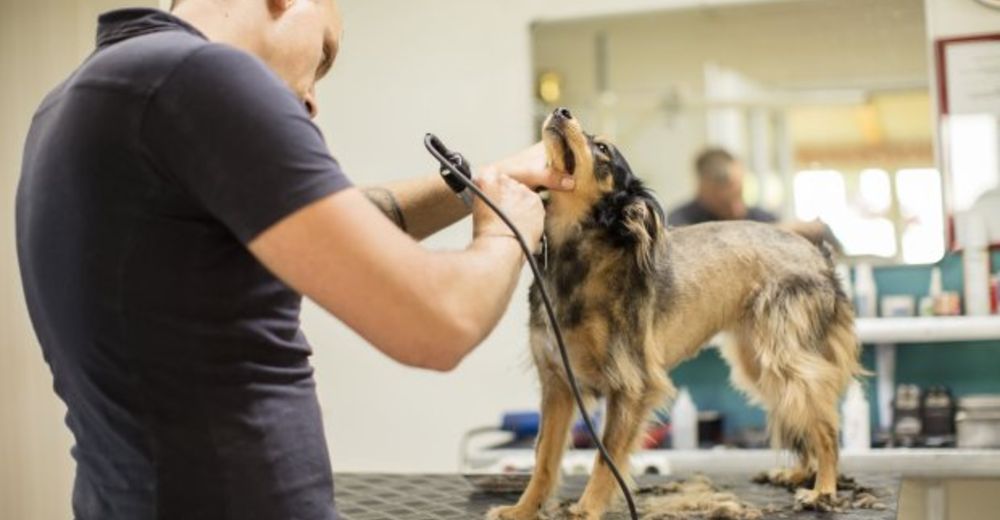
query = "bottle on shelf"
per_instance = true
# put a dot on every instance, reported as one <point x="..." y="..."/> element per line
<point x="865" y="292"/>
<point x="684" y="422"/>
<point x="929" y="303"/>
<point x="857" y="430"/>
<point x="976" y="267"/>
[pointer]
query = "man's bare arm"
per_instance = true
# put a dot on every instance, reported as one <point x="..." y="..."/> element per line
<point x="420" y="206"/>
<point x="421" y="308"/>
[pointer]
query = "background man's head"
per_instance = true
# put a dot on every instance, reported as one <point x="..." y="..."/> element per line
<point x="720" y="184"/>
<point x="298" y="39"/>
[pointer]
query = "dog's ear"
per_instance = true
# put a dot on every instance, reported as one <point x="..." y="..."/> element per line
<point x="643" y="218"/>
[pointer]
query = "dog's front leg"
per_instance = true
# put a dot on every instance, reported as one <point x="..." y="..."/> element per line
<point x="625" y="421"/>
<point x="557" y="413"/>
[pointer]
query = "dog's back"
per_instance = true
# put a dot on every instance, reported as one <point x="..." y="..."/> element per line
<point x="715" y="270"/>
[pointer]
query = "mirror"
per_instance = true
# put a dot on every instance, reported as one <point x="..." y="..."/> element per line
<point x="968" y="86"/>
<point x="825" y="103"/>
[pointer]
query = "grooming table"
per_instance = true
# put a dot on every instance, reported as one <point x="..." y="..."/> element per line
<point x="450" y="497"/>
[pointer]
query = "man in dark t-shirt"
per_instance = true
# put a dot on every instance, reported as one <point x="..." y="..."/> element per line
<point x="174" y="205"/>
<point x="720" y="197"/>
<point x="720" y="193"/>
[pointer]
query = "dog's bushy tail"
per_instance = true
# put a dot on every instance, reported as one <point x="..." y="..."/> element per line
<point x="841" y="342"/>
<point x="801" y="331"/>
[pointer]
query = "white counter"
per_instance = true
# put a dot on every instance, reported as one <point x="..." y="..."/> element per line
<point x="909" y="463"/>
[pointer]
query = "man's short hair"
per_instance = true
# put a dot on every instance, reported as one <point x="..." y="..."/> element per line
<point x="713" y="164"/>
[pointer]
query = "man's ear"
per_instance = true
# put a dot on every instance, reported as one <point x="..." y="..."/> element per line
<point x="278" y="7"/>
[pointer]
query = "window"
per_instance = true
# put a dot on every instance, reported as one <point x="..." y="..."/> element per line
<point x="869" y="217"/>
<point x="922" y="223"/>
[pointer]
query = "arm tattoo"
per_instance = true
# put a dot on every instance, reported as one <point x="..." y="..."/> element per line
<point x="385" y="201"/>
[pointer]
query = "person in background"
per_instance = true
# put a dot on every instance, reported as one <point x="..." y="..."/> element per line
<point x="720" y="193"/>
<point x="720" y="197"/>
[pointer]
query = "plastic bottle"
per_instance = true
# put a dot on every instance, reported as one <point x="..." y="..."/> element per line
<point x="930" y="302"/>
<point x="857" y="432"/>
<point x="865" y="293"/>
<point x="995" y="294"/>
<point x="684" y="422"/>
<point x="976" y="267"/>
<point x="844" y="277"/>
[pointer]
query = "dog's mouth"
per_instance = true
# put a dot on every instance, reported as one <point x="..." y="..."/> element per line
<point x="568" y="159"/>
<point x="556" y="133"/>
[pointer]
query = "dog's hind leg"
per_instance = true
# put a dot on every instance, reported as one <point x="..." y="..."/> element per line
<point x="802" y="416"/>
<point x="839" y="349"/>
<point x="557" y="414"/>
<point x="745" y="372"/>
<point x="800" y="378"/>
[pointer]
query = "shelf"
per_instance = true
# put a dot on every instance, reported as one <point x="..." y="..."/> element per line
<point x="929" y="329"/>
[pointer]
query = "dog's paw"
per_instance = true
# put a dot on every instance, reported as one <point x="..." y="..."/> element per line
<point x="578" y="512"/>
<point x="788" y="478"/>
<point x="510" y="513"/>
<point x="813" y="500"/>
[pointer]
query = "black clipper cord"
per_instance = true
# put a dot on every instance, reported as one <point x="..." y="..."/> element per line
<point x="457" y="174"/>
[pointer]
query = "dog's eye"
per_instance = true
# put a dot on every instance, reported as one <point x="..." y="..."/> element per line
<point x="605" y="149"/>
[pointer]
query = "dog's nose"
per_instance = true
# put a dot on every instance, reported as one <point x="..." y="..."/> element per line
<point x="564" y="113"/>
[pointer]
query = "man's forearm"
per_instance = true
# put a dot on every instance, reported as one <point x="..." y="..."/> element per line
<point x="477" y="289"/>
<point x="420" y="207"/>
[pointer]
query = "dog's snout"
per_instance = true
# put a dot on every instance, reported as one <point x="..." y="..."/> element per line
<point x="564" y="113"/>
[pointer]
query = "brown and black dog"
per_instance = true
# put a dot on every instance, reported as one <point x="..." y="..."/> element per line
<point x="634" y="299"/>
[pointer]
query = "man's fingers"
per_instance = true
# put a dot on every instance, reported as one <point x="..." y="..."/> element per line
<point x="553" y="180"/>
<point x="529" y="167"/>
<point x="566" y="182"/>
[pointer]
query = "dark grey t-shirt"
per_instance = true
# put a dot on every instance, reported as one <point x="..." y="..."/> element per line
<point x="694" y="213"/>
<point x="178" y="355"/>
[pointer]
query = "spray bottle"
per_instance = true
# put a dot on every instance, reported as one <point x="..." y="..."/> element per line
<point x="684" y="422"/>
<point x="856" y="430"/>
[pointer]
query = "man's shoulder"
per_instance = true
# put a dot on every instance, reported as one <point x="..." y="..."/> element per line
<point x="140" y="62"/>
<point x="758" y="214"/>
<point x="147" y="62"/>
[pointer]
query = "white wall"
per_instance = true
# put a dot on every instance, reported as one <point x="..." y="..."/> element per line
<point x="406" y="68"/>
<point x="950" y="18"/>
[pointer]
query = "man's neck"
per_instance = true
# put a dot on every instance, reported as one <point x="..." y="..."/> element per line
<point x="225" y="21"/>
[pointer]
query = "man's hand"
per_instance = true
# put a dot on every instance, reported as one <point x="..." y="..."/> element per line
<point x="523" y="206"/>
<point x="815" y="231"/>
<point x="426" y="204"/>
<point x="529" y="167"/>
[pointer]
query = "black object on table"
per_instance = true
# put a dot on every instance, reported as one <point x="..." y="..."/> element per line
<point x="376" y="496"/>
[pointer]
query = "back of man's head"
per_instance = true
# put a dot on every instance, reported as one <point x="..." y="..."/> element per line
<point x="713" y="164"/>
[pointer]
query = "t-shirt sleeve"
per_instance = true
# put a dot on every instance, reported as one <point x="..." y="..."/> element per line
<point x="761" y="215"/>
<point x="680" y="216"/>
<point x="226" y="129"/>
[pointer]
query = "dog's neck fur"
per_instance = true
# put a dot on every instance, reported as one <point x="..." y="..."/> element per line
<point x="565" y="216"/>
